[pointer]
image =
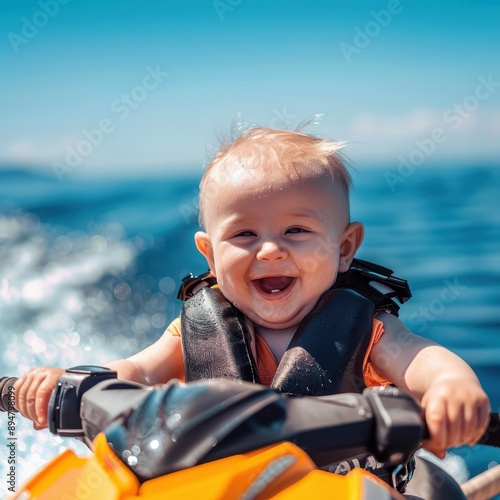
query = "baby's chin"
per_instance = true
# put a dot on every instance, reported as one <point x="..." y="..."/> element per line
<point x="275" y="321"/>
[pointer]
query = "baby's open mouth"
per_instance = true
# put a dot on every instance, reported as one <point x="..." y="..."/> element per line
<point x="274" y="284"/>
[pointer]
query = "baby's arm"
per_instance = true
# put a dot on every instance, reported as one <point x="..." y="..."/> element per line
<point x="455" y="406"/>
<point x="156" y="364"/>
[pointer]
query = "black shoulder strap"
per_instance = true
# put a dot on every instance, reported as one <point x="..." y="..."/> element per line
<point x="214" y="340"/>
<point x="326" y="354"/>
<point x="376" y="283"/>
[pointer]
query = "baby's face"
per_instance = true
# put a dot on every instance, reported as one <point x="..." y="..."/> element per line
<point x="273" y="245"/>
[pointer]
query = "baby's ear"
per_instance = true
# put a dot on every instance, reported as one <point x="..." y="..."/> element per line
<point x="349" y="242"/>
<point x="204" y="245"/>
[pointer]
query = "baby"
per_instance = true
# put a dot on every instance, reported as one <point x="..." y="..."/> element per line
<point x="274" y="206"/>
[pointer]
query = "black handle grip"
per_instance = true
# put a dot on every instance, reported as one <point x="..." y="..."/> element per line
<point x="7" y="397"/>
<point x="491" y="437"/>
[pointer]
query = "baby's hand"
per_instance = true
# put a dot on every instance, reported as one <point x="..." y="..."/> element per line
<point x="33" y="391"/>
<point x="456" y="412"/>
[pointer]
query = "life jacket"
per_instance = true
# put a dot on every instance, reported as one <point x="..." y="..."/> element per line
<point x="325" y="355"/>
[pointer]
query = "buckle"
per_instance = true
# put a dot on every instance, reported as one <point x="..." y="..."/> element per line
<point x="402" y="475"/>
<point x="190" y="282"/>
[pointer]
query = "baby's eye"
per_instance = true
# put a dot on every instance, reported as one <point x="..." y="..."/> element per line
<point x="244" y="234"/>
<point x="295" y="230"/>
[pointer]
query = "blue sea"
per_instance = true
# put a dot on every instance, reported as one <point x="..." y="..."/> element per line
<point x="89" y="270"/>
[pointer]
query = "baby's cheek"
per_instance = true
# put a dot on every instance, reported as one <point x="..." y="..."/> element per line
<point x="228" y="287"/>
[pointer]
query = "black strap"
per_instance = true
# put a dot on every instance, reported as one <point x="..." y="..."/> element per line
<point x="376" y="283"/>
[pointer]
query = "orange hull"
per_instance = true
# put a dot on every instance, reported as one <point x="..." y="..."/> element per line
<point x="282" y="471"/>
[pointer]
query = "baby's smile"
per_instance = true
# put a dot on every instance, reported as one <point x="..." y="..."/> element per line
<point x="273" y="284"/>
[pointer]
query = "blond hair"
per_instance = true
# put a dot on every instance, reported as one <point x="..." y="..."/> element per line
<point x="295" y="154"/>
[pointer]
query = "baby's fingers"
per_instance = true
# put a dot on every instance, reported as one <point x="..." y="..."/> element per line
<point x="457" y="424"/>
<point x="42" y="401"/>
<point x="470" y="426"/>
<point x="25" y="390"/>
<point x="479" y="423"/>
<point x="435" y="417"/>
<point x="20" y="389"/>
<point x="33" y="391"/>
<point x="31" y="398"/>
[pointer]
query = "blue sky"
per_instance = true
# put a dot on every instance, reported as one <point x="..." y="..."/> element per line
<point x="392" y="78"/>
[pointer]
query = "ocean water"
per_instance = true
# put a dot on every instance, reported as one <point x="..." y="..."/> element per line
<point x="89" y="271"/>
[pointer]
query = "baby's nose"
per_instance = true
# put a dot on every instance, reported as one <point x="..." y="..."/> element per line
<point x="271" y="250"/>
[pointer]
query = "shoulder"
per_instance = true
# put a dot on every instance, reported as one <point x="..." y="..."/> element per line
<point x="396" y="349"/>
<point x="397" y="333"/>
<point x="397" y="341"/>
<point x="393" y="326"/>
